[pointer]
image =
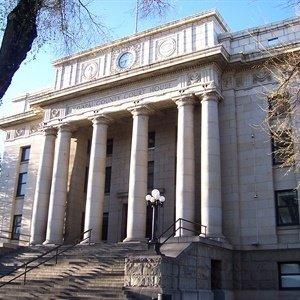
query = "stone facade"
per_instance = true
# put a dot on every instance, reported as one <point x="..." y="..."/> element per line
<point x="200" y="89"/>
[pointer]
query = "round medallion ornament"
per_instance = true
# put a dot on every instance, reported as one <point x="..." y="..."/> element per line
<point x="90" y="71"/>
<point x="125" y="60"/>
<point x="167" y="47"/>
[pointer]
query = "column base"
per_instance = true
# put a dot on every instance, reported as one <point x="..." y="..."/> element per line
<point x="135" y="240"/>
<point x="51" y="243"/>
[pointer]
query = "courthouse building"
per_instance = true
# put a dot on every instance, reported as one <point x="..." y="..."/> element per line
<point x="177" y="108"/>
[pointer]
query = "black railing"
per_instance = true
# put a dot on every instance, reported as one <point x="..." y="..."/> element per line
<point x="4" y="233"/>
<point x="179" y="226"/>
<point x="27" y="267"/>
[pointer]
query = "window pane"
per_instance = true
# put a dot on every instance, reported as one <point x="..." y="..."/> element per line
<point x="290" y="281"/>
<point x="109" y="146"/>
<point x="287" y="207"/>
<point x="288" y="215"/>
<point x="23" y="178"/>
<point x="290" y="268"/>
<point x="22" y="184"/>
<point x="16" y="227"/>
<point x="151" y="139"/>
<point x="107" y="179"/>
<point x="287" y="198"/>
<point x="22" y="189"/>
<point x="25" y="153"/>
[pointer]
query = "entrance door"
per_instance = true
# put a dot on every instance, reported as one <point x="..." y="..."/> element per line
<point x="216" y="279"/>
<point x="124" y="221"/>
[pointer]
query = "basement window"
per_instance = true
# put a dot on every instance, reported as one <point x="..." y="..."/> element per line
<point x="289" y="276"/>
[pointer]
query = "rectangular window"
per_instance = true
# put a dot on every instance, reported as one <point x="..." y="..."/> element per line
<point x="16" y="227"/>
<point x="282" y="148"/>
<point x="151" y="140"/>
<point x="289" y="276"/>
<point x="22" y="184"/>
<point x="109" y="147"/>
<point x="107" y="179"/>
<point x="150" y="177"/>
<point x="287" y="211"/>
<point x="25" y="153"/>
<point x="86" y="178"/>
<point x="105" y="226"/>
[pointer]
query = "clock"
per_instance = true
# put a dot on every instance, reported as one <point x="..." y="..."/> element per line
<point x="126" y="60"/>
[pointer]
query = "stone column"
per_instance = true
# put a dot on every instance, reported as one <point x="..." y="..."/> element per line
<point x="136" y="217"/>
<point x="42" y="191"/>
<point x="185" y="166"/>
<point x="96" y="180"/>
<point x="59" y="186"/>
<point x="211" y="205"/>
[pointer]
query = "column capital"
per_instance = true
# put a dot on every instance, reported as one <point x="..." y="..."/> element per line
<point x="210" y="95"/>
<point x="101" y="119"/>
<point x="50" y="131"/>
<point x="186" y="99"/>
<point x="144" y="110"/>
<point x="65" y="128"/>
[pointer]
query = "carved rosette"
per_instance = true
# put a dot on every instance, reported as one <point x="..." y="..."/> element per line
<point x="54" y="113"/>
<point x="90" y="70"/>
<point x="166" y="48"/>
<point x="35" y="128"/>
<point x="261" y="76"/>
<point x="20" y="132"/>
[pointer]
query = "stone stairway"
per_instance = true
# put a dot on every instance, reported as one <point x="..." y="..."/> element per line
<point x="83" y="272"/>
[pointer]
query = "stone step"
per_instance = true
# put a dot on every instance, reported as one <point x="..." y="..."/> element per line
<point x="83" y="272"/>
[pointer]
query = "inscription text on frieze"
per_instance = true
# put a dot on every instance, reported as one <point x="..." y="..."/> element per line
<point x="80" y="107"/>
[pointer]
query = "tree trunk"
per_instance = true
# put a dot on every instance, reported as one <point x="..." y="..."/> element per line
<point x="20" y="32"/>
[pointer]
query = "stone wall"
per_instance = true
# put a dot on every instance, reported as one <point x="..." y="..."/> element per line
<point x="187" y="276"/>
<point x="256" y="274"/>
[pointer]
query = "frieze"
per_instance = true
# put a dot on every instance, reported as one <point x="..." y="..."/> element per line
<point x="24" y="131"/>
<point x="261" y="76"/>
<point x="134" y="49"/>
<point x="166" y="47"/>
<point x="76" y="108"/>
<point x="90" y="70"/>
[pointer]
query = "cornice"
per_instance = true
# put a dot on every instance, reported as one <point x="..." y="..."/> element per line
<point x="20" y="118"/>
<point x="146" y="33"/>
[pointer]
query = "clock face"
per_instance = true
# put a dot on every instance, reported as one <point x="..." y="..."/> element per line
<point x="126" y="60"/>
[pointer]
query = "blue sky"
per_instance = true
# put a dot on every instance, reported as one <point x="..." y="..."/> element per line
<point x="118" y="15"/>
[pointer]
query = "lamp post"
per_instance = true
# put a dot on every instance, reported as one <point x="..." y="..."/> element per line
<point x="154" y="200"/>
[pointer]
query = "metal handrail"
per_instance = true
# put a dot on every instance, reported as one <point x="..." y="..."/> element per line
<point x="57" y="253"/>
<point x="180" y="227"/>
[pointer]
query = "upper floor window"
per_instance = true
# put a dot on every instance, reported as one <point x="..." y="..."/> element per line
<point x="150" y="177"/>
<point x="289" y="276"/>
<point x="25" y="153"/>
<point x="287" y="207"/>
<point x="282" y="148"/>
<point x="22" y="184"/>
<point x="151" y="139"/>
<point x="109" y="147"/>
<point x="16" y="229"/>
<point x="107" y="179"/>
